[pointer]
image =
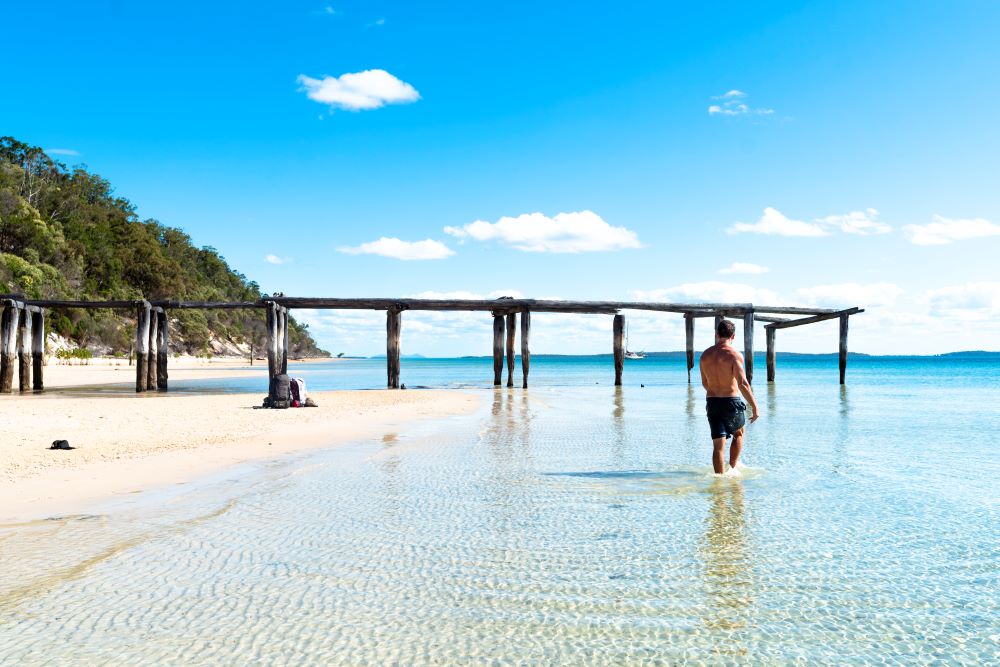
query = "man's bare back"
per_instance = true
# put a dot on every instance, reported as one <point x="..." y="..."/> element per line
<point x="724" y="380"/>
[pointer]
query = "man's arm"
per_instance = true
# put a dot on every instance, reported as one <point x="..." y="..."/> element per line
<point x="701" y="367"/>
<point x="744" y="385"/>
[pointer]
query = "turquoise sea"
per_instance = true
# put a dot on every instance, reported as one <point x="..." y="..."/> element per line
<point x="572" y="523"/>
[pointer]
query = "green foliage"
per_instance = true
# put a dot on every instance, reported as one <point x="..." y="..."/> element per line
<point x="79" y="353"/>
<point x="65" y="234"/>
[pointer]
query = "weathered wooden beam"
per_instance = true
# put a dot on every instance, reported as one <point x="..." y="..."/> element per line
<point x="393" y="327"/>
<point x="815" y="318"/>
<point x="8" y="346"/>
<point x="843" y="347"/>
<point x="142" y="316"/>
<point x="500" y="306"/>
<point x="769" y="333"/>
<point x="509" y="348"/>
<point x="210" y="305"/>
<point x="498" y="331"/>
<point x="618" y="337"/>
<point x="769" y="320"/>
<point x="162" y="350"/>
<point x="525" y="351"/>
<point x="689" y="342"/>
<point x="60" y="303"/>
<point x="154" y="347"/>
<point x="748" y="345"/>
<point x="38" y="350"/>
<point x="24" y="350"/>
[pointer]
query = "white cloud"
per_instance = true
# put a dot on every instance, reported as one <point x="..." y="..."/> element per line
<point x="971" y="301"/>
<point x="369" y="89"/>
<point x="942" y="231"/>
<point x="862" y="223"/>
<point x="744" y="267"/>
<point x="847" y="295"/>
<point x="397" y="249"/>
<point x="712" y="291"/>
<point x="62" y="151"/>
<point x="274" y="259"/>
<point x="377" y="22"/>
<point x="582" y="231"/>
<point x="732" y="105"/>
<point x="774" y="223"/>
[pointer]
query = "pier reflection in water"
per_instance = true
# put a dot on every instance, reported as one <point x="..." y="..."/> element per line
<point x="559" y="526"/>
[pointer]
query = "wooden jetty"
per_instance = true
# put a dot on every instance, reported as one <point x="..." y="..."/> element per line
<point x="22" y="330"/>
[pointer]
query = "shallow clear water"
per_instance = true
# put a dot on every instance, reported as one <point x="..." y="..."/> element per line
<point x="562" y="525"/>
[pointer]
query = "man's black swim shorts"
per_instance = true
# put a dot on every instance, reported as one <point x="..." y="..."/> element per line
<point x="726" y="416"/>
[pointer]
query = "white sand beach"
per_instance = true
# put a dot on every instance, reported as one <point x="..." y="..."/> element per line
<point x="128" y="443"/>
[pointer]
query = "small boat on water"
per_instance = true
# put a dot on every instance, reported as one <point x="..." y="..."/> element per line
<point x="631" y="355"/>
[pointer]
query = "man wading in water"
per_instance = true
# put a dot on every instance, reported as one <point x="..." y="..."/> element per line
<point x="723" y="378"/>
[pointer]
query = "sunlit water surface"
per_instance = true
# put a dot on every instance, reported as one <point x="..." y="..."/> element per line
<point x="561" y="525"/>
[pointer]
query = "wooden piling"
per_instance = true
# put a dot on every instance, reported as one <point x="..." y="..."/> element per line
<point x="154" y="346"/>
<point x="142" y="313"/>
<point x="8" y="351"/>
<point x="770" y="331"/>
<point x="393" y="326"/>
<point x="525" y="352"/>
<point x="843" y="347"/>
<point x="498" y="331"/>
<point x="38" y="350"/>
<point x="748" y="345"/>
<point x="715" y="327"/>
<point x="272" y="336"/>
<point x="511" y="334"/>
<point x="618" y="330"/>
<point x="24" y="350"/>
<point x="162" y="350"/>
<point x="689" y="342"/>
<point x="284" y="340"/>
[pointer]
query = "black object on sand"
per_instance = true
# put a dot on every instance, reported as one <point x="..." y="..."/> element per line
<point x="61" y="444"/>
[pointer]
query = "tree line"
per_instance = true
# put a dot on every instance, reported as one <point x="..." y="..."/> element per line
<point x="65" y="234"/>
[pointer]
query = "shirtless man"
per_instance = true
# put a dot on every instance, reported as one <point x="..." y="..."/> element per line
<point x="723" y="378"/>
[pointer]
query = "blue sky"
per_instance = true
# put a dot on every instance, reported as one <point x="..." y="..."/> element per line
<point x="848" y="148"/>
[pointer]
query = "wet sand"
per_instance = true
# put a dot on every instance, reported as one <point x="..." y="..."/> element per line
<point x="128" y="443"/>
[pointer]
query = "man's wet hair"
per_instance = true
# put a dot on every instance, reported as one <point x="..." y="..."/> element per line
<point x="725" y="329"/>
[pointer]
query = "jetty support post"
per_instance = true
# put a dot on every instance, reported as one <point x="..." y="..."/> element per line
<point x="152" y="358"/>
<point x="689" y="342"/>
<point x="272" y="341"/>
<point x="525" y="352"/>
<point x="843" y="347"/>
<point x="284" y="339"/>
<point x="618" y="330"/>
<point x="715" y="327"/>
<point x="38" y="349"/>
<point x="24" y="350"/>
<point x="393" y="327"/>
<point x="748" y="344"/>
<point x="142" y="316"/>
<point x="498" y="331"/>
<point x="8" y="351"/>
<point x="162" y="351"/>
<point x="770" y="331"/>
<point x="509" y="350"/>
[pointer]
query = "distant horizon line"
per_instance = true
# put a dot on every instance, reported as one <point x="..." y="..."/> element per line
<point x="683" y="353"/>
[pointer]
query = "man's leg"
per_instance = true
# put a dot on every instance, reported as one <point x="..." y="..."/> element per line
<point x="718" y="445"/>
<point x="736" y="448"/>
